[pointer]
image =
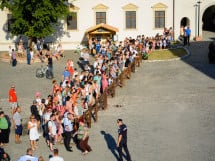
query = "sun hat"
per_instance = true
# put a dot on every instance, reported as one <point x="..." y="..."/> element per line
<point x="37" y="94"/>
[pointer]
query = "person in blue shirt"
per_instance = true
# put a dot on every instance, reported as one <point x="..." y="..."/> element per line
<point x="28" y="156"/>
<point x="187" y="35"/>
<point x="65" y="74"/>
<point x="122" y="140"/>
<point x="98" y="46"/>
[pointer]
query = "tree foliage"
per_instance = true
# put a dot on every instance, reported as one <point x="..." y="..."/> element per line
<point x="35" y="18"/>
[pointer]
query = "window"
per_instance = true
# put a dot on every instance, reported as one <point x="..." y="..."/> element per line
<point x="130" y="19"/>
<point x="72" y="21"/>
<point x="9" y="22"/>
<point x="159" y="19"/>
<point x="100" y="17"/>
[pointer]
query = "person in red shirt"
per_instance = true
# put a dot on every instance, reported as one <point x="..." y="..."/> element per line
<point x="12" y="99"/>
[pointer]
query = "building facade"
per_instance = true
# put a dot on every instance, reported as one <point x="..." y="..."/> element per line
<point x="123" y="18"/>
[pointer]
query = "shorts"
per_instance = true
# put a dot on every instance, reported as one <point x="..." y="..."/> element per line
<point x="51" y="139"/>
<point x="13" y="105"/>
<point x="18" y="130"/>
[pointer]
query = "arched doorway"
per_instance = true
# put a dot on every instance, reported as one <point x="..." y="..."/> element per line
<point x="184" y="22"/>
<point x="208" y="19"/>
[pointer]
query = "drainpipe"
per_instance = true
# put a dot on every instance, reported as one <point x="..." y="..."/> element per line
<point x="199" y="2"/>
<point x="173" y="16"/>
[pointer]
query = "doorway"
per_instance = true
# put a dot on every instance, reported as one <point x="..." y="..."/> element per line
<point x="208" y="19"/>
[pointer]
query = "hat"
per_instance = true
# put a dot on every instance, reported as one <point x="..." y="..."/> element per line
<point x="37" y="94"/>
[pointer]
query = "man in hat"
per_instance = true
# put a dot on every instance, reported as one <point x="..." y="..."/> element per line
<point x="122" y="140"/>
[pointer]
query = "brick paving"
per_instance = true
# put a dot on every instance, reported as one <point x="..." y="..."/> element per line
<point x="167" y="106"/>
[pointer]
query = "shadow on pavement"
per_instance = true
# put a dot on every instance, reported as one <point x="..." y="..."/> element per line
<point x="111" y="143"/>
<point x="199" y="58"/>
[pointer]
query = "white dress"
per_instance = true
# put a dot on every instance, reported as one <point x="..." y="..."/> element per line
<point x="33" y="132"/>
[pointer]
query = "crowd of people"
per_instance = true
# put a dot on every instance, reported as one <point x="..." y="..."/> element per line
<point x="38" y="49"/>
<point x="59" y="116"/>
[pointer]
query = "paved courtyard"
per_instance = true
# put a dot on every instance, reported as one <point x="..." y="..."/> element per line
<point x="169" y="109"/>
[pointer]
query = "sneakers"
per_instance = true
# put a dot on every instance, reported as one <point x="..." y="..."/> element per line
<point x="84" y="153"/>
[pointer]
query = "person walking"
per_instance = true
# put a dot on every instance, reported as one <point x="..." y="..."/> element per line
<point x="56" y="156"/>
<point x="17" y="122"/>
<point x="12" y="99"/>
<point x="83" y="137"/>
<point x="122" y="140"/>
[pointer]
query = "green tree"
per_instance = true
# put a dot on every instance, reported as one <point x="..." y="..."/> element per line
<point x="35" y="18"/>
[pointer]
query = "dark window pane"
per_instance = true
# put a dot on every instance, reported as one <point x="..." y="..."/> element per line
<point x="130" y="19"/>
<point x="159" y="19"/>
<point x="100" y="17"/>
<point x="9" y="21"/>
<point x="72" y="21"/>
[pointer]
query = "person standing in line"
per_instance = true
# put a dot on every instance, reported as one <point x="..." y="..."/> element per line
<point x="28" y="57"/>
<point x="122" y="140"/>
<point x="68" y="129"/>
<point x="52" y="131"/>
<point x="17" y="121"/>
<point x="50" y="65"/>
<point x="33" y="132"/>
<point x="56" y="156"/>
<point x="12" y="99"/>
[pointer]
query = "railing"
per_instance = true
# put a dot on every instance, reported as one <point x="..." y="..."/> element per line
<point x="101" y="102"/>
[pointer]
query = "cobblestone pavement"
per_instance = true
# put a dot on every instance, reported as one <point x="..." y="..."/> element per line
<point x="167" y="106"/>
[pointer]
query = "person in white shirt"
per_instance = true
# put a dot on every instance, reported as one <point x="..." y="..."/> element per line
<point x="56" y="156"/>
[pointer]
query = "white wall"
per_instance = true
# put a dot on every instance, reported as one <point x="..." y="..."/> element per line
<point x="115" y="17"/>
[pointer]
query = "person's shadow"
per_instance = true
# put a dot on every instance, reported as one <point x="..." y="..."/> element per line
<point x="111" y="143"/>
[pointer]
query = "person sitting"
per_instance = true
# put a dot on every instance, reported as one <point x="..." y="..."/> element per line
<point x="21" y="49"/>
<point x="60" y="50"/>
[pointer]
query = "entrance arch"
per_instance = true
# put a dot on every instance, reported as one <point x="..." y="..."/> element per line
<point x="208" y="19"/>
<point x="185" y="22"/>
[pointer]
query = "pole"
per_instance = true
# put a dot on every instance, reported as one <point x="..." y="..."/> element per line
<point x="199" y="2"/>
<point x="173" y="30"/>
<point x="196" y="18"/>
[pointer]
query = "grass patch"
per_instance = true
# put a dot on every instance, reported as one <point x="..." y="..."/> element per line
<point x="166" y="54"/>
